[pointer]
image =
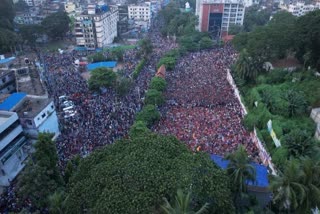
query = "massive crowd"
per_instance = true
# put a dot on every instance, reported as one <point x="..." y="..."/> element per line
<point x="201" y="107"/>
<point x="101" y="118"/>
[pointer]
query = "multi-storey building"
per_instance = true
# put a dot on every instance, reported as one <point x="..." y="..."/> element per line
<point x="7" y="81"/>
<point x="29" y="17"/>
<point x="36" y="113"/>
<point x="96" y="27"/>
<point x="216" y="16"/>
<point x="123" y="19"/>
<point x="141" y="14"/>
<point x="300" y="8"/>
<point x="13" y="149"/>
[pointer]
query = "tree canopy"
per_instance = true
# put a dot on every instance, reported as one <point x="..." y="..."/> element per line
<point x="56" y="25"/>
<point x="41" y="176"/>
<point x="133" y="175"/>
<point x="102" y="78"/>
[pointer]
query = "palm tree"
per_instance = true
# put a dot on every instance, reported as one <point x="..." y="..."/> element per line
<point x="182" y="205"/>
<point x="240" y="170"/>
<point x="287" y="188"/>
<point x="244" y="66"/>
<point x="310" y="179"/>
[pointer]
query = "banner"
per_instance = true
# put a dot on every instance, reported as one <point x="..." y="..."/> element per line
<point x="273" y="134"/>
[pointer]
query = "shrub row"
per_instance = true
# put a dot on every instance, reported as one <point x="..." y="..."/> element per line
<point x="138" y="68"/>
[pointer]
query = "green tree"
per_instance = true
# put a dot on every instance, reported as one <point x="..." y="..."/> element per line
<point x="56" y="202"/>
<point x="254" y="16"/>
<point x="169" y="62"/>
<point x="240" y="172"/>
<point x="154" y="97"/>
<point x="296" y="102"/>
<point x="56" y="25"/>
<point x="205" y="43"/>
<point x="139" y="128"/>
<point x="30" y="33"/>
<point x="97" y="57"/>
<point x="149" y="115"/>
<point x="307" y="38"/>
<point x="287" y="188"/>
<point x="102" y="77"/>
<point x="310" y="179"/>
<point x="68" y="171"/>
<point x="300" y="144"/>
<point x="182" y="204"/>
<point x="244" y="66"/>
<point x="41" y="176"/>
<point x="145" y="47"/>
<point x="133" y="175"/>
<point x="235" y="29"/>
<point x="158" y="84"/>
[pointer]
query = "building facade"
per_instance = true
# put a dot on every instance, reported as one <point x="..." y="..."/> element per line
<point x="13" y="148"/>
<point x="7" y="82"/>
<point x="216" y="16"/>
<point x="97" y="27"/>
<point x="300" y="8"/>
<point x="141" y="14"/>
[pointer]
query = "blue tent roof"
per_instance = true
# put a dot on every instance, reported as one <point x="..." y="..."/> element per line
<point x="6" y="60"/>
<point x="108" y="64"/>
<point x="11" y="101"/>
<point x="261" y="171"/>
<point x="78" y="48"/>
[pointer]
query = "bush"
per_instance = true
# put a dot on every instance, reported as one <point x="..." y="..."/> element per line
<point x="138" y="68"/>
<point x="97" y="57"/>
<point x="174" y="53"/>
<point x="169" y="62"/>
<point x="102" y="78"/>
<point x="158" y="84"/>
<point x="276" y="76"/>
<point x="149" y="115"/>
<point x="154" y="97"/>
<point x="280" y="156"/>
<point x="139" y="128"/>
<point x="206" y="43"/>
<point x="258" y="117"/>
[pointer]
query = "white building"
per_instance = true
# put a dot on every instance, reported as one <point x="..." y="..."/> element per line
<point x="300" y="8"/>
<point x="34" y="3"/>
<point x="36" y="113"/>
<point x="97" y="27"/>
<point x="141" y="14"/>
<point x="216" y="16"/>
<point x="13" y="148"/>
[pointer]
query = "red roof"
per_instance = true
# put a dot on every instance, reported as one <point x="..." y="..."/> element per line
<point x="161" y="72"/>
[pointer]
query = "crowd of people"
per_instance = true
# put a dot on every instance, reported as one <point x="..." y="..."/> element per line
<point x="100" y="119"/>
<point x="202" y="109"/>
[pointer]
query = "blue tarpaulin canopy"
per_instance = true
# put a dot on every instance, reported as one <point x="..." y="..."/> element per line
<point x="107" y="64"/>
<point x="7" y="60"/>
<point x="12" y="101"/>
<point x="261" y="171"/>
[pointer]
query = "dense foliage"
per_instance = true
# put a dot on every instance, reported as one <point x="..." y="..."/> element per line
<point x="132" y="176"/>
<point x="154" y="97"/>
<point x="149" y="115"/>
<point x="138" y="69"/>
<point x="41" y="177"/>
<point x="56" y="25"/>
<point x="158" y="84"/>
<point x="102" y="78"/>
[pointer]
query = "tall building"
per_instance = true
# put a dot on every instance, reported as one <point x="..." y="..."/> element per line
<point x="13" y="150"/>
<point x="141" y="14"/>
<point x="300" y="8"/>
<point x="96" y="27"/>
<point x="216" y="16"/>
